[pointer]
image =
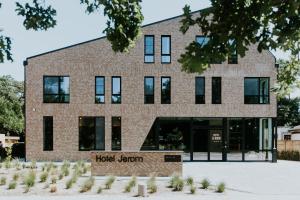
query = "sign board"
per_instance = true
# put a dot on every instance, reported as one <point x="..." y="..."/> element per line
<point x="143" y="163"/>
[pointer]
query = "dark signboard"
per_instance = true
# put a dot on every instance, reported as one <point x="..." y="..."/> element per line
<point x="172" y="158"/>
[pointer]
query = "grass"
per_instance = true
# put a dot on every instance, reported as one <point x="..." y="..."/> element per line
<point x="33" y="165"/>
<point x="109" y="181"/>
<point x="43" y="177"/>
<point x="130" y="184"/>
<point x="16" y="176"/>
<point x="173" y="179"/>
<point x="3" y="181"/>
<point x="7" y="163"/>
<point x="87" y="185"/>
<point x="29" y="179"/>
<point x="192" y="189"/>
<point x="190" y="181"/>
<point x="177" y="183"/>
<point x="69" y="183"/>
<point x="221" y="188"/>
<point x="12" y="185"/>
<point x="205" y="184"/>
<point x="151" y="185"/>
<point x="99" y="190"/>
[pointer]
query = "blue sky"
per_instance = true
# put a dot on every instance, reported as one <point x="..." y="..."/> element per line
<point x="74" y="26"/>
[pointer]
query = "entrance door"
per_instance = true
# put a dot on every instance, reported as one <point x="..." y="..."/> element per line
<point x="199" y="144"/>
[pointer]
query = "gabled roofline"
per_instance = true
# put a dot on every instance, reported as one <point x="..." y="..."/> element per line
<point x="99" y="38"/>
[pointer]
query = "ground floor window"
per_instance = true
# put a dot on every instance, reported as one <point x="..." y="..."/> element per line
<point x="91" y="133"/>
<point x="48" y="133"/>
<point x="116" y="133"/>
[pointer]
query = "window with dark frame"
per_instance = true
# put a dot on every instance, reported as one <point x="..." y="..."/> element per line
<point x="200" y="90"/>
<point x="256" y="90"/>
<point x="149" y="90"/>
<point x="48" y="133"/>
<point x="149" y="49"/>
<point x="116" y="138"/>
<point x="91" y="133"/>
<point x="100" y="89"/>
<point x="56" y="89"/>
<point x="233" y="56"/>
<point x="165" y="49"/>
<point x="165" y="90"/>
<point x="216" y="90"/>
<point x="116" y="90"/>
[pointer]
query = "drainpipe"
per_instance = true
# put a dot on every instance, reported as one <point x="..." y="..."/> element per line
<point x="275" y="135"/>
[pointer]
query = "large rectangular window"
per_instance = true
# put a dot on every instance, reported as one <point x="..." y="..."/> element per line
<point x="116" y="143"/>
<point x="99" y="89"/>
<point x="165" y="49"/>
<point x="256" y="90"/>
<point x="216" y="90"/>
<point x="116" y="90"/>
<point x="149" y="49"/>
<point x="165" y="90"/>
<point x="233" y="56"/>
<point x="149" y="90"/>
<point x="200" y="90"/>
<point x="48" y="133"/>
<point x="91" y="133"/>
<point x="56" y="89"/>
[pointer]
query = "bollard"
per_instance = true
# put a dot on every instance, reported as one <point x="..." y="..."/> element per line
<point x="142" y="189"/>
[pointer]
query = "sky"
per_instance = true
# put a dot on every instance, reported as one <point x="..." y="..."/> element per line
<point x="75" y="26"/>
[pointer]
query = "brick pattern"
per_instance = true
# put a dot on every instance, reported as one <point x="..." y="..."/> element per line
<point x="85" y="61"/>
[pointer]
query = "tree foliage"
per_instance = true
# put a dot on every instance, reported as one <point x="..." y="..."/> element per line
<point x="11" y="105"/>
<point x="288" y="112"/>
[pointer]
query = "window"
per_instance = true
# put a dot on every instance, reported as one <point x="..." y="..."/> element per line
<point x="91" y="133"/>
<point x="116" y="90"/>
<point x="232" y="57"/>
<point x="116" y="133"/>
<point x="48" y="133"/>
<point x="56" y="89"/>
<point x="256" y="90"/>
<point x="165" y="49"/>
<point x="216" y="90"/>
<point x="200" y="90"/>
<point x="149" y="90"/>
<point x="203" y="40"/>
<point x="165" y="90"/>
<point x="100" y="89"/>
<point x="149" y="49"/>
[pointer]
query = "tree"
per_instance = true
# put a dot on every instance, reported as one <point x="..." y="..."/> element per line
<point x="288" y="112"/>
<point x="11" y="106"/>
<point x="231" y="25"/>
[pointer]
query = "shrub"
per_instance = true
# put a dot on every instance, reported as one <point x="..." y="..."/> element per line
<point x="178" y="185"/>
<point x="87" y="185"/>
<point x="109" y="181"/>
<point x="289" y="155"/>
<point x="193" y="189"/>
<point x="221" y="187"/>
<point x="152" y="187"/>
<point x="65" y="171"/>
<point x="3" y="181"/>
<point x="173" y="180"/>
<point x="69" y="183"/>
<point x="18" y="150"/>
<point x="190" y="181"/>
<point x="205" y="183"/>
<point x="29" y="179"/>
<point x="132" y="182"/>
<point x="33" y="164"/>
<point x="12" y="185"/>
<point x="127" y="188"/>
<point x="16" y="177"/>
<point x="53" y="188"/>
<point x="99" y="190"/>
<point x="53" y="179"/>
<point x="43" y="177"/>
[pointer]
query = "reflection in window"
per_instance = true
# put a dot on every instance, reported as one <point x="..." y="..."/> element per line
<point x="48" y="133"/>
<point x="232" y="57"/>
<point x="202" y="40"/>
<point x="166" y="90"/>
<point x="116" y="90"/>
<point x="165" y="49"/>
<point x="116" y="133"/>
<point x="91" y="133"/>
<point x="216" y="90"/>
<point x="149" y="90"/>
<point x="100" y="89"/>
<point x="200" y="90"/>
<point x="149" y="49"/>
<point x="56" y="89"/>
<point x="256" y="90"/>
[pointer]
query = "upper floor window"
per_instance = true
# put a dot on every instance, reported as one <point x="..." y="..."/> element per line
<point x="116" y="90"/>
<point x="56" y="89"/>
<point x="165" y="90"/>
<point x="200" y="90"/>
<point x="203" y="40"/>
<point x="216" y="90"/>
<point x="100" y="89"/>
<point x="232" y="57"/>
<point x="165" y="49"/>
<point x="116" y="137"/>
<point x="149" y="49"/>
<point x="256" y="90"/>
<point x="149" y="90"/>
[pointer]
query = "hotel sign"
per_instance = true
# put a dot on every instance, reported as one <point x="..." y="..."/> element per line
<point x="162" y="163"/>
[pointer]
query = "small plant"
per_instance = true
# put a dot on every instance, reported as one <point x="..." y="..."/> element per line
<point x="99" y="190"/>
<point x="192" y="189"/>
<point x="33" y="165"/>
<point x="16" y="177"/>
<point x="87" y="185"/>
<point x="130" y="184"/>
<point x="29" y="179"/>
<point x="65" y="171"/>
<point x="127" y="188"/>
<point x="178" y="185"/>
<point x="152" y="187"/>
<point x="16" y="164"/>
<point x="7" y="163"/>
<point x="53" y="188"/>
<point x="60" y="176"/>
<point x="173" y="180"/>
<point x="69" y="183"/>
<point x="53" y="179"/>
<point x="43" y="177"/>
<point x="109" y="181"/>
<point x="26" y="189"/>
<point x="12" y="185"/>
<point x="190" y="181"/>
<point x="3" y="181"/>
<point x="205" y="184"/>
<point x="221" y="187"/>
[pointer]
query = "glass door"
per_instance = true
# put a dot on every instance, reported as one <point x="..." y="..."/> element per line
<point x="200" y="144"/>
